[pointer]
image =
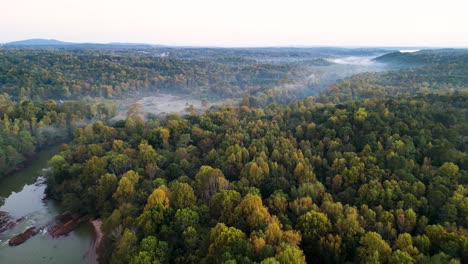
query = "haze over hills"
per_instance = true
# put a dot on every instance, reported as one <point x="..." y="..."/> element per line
<point x="55" y="42"/>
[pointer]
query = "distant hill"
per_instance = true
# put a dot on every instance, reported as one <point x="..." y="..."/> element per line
<point x="425" y="57"/>
<point x="57" y="43"/>
<point x="39" y="42"/>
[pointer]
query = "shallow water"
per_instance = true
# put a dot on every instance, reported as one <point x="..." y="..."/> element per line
<point x="22" y="195"/>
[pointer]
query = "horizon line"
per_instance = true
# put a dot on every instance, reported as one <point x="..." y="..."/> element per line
<point x="228" y="46"/>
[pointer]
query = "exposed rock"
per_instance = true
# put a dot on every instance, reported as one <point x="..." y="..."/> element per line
<point x="65" y="217"/>
<point x="6" y="221"/>
<point x="66" y="223"/>
<point x="4" y="218"/>
<point x="21" y="238"/>
<point x="61" y="225"/>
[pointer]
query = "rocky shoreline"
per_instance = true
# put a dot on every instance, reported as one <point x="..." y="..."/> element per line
<point x="62" y="225"/>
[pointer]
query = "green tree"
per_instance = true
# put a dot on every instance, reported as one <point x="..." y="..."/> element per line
<point x="290" y="255"/>
<point x="182" y="195"/>
<point x="313" y="225"/>
<point x="223" y="205"/>
<point x="185" y="218"/>
<point x="124" y="247"/>
<point x="222" y="237"/>
<point x="106" y="186"/>
<point x="151" y="250"/>
<point x="126" y="189"/>
<point x="371" y="245"/>
<point x="209" y="181"/>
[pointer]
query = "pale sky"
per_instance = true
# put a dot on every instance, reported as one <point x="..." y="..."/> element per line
<point x="240" y="22"/>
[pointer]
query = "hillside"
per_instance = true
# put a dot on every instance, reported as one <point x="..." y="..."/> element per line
<point x="419" y="72"/>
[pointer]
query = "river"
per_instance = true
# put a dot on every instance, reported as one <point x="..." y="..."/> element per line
<point x="21" y="195"/>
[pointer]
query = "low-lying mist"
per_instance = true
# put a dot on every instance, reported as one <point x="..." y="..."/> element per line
<point x="304" y="77"/>
<point x="318" y="78"/>
<point x="353" y="60"/>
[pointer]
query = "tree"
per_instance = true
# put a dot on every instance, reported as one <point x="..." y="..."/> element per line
<point x="278" y="202"/>
<point x="126" y="190"/>
<point x="273" y="232"/>
<point x="301" y="205"/>
<point x="252" y="212"/>
<point x="106" y="186"/>
<point x="372" y="246"/>
<point x="313" y="225"/>
<point x="151" y="219"/>
<point x="331" y="249"/>
<point x="58" y="166"/>
<point x="124" y="245"/>
<point x="191" y="238"/>
<point x="222" y="237"/>
<point x="120" y="163"/>
<point x="406" y="220"/>
<point x="209" y="181"/>
<point x="449" y="170"/>
<point x="159" y="198"/>
<point x="182" y="195"/>
<point x="256" y="171"/>
<point x="93" y="170"/>
<point x="151" y="250"/>
<point x="270" y="261"/>
<point x="290" y="255"/>
<point x="159" y="137"/>
<point x="185" y="218"/>
<point x="147" y="155"/>
<point x="399" y="256"/>
<point x="223" y="205"/>
<point x="404" y="243"/>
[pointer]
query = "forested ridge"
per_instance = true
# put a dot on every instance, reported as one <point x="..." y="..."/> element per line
<point x="371" y="170"/>
<point x="423" y="71"/>
<point x="38" y="74"/>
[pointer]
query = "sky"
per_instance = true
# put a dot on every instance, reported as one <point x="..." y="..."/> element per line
<point x="237" y="23"/>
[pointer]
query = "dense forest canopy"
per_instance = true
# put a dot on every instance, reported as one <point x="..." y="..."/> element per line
<point x="372" y="170"/>
<point x="381" y="180"/>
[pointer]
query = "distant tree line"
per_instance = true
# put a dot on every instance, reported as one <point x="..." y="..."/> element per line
<point x="41" y="74"/>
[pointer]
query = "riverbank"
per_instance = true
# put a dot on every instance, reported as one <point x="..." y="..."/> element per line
<point x="91" y="255"/>
<point x="32" y="159"/>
